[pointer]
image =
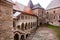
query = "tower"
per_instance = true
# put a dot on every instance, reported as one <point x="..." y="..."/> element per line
<point x="30" y="4"/>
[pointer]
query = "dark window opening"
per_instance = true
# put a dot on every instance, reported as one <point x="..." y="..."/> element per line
<point x="18" y="18"/>
<point x="47" y="12"/>
<point x="22" y="26"/>
<point x="13" y="23"/>
<point x="58" y="20"/>
<point x="16" y="37"/>
<point x="25" y="26"/>
<point x="54" y="17"/>
<point x="54" y="11"/>
<point x="52" y="22"/>
<point x="18" y="26"/>
<point x="22" y="37"/>
<point x="27" y="35"/>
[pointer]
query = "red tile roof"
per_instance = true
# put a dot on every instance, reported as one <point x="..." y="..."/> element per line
<point x="28" y="10"/>
<point x="22" y="8"/>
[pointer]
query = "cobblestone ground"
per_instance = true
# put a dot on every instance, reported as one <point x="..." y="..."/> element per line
<point x="44" y="33"/>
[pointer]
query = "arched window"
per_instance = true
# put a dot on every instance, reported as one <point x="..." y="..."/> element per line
<point x="25" y="17"/>
<point x="25" y="26"/>
<point x="27" y="35"/>
<point x="47" y="12"/>
<point x="58" y="20"/>
<point x="14" y="24"/>
<point x="22" y="26"/>
<point x="16" y="37"/>
<point x="28" y="25"/>
<point x="22" y="37"/>
<point x="22" y="17"/>
<point x="53" y="11"/>
<point x="18" y="26"/>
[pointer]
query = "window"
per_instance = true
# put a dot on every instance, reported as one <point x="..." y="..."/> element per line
<point x="13" y="23"/>
<point x="59" y="17"/>
<point x="18" y="26"/>
<point x="42" y="12"/>
<point x="22" y="17"/>
<point x="47" y="12"/>
<point x="25" y="26"/>
<point x="52" y="22"/>
<point x="25" y="17"/>
<point x="22" y="26"/>
<point x="18" y="18"/>
<point x="54" y="17"/>
<point x="28" y="17"/>
<point x="53" y="11"/>
<point x="58" y="20"/>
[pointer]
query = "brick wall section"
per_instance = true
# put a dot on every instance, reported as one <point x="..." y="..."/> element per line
<point x="6" y="21"/>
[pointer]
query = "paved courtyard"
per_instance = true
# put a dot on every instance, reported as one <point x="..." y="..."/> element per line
<point x="44" y="33"/>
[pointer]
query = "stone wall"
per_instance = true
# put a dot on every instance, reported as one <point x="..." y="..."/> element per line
<point x="6" y="21"/>
<point x="53" y="16"/>
<point x="41" y="15"/>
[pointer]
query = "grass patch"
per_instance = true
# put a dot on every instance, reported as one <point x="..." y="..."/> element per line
<point x="56" y="28"/>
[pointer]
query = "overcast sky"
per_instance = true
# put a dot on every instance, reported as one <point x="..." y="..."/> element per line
<point x="43" y="3"/>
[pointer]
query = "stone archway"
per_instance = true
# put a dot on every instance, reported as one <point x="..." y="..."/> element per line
<point x="25" y="26"/>
<point x="22" y="37"/>
<point x="27" y="35"/>
<point x="16" y="37"/>
<point x="22" y="26"/>
<point x="28" y="25"/>
<point x="33" y="24"/>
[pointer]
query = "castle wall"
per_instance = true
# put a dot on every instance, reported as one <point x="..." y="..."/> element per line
<point x="6" y="21"/>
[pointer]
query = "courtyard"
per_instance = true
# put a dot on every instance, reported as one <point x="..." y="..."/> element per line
<point x="29" y="21"/>
<point x="46" y="32"/>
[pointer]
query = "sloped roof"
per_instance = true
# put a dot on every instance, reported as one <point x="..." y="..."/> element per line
<point x="54" y="4"/>
<point x="10" y="0"/>
<point x="28" y="10"/>
<point x="17" y="14"/>
<point x="21" y="8"/>
<point x="37" y="6"/>
<point x="18" y="6"/>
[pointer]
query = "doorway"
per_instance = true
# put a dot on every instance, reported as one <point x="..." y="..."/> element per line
<point x="16" y="37"/>
<point x="22" y="37"/>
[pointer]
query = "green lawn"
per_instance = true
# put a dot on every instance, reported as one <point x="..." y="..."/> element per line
<point x="56" y="28"/>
